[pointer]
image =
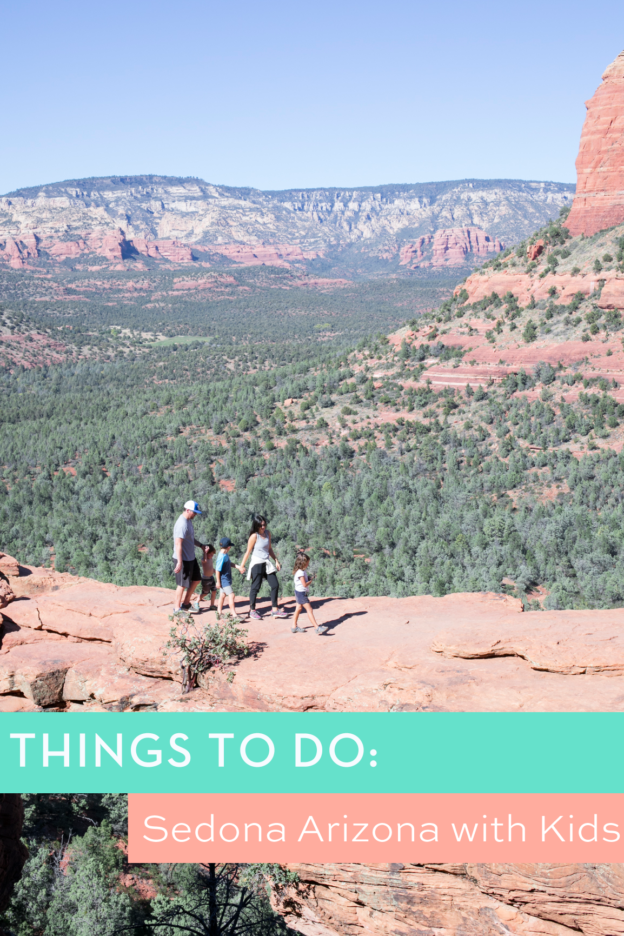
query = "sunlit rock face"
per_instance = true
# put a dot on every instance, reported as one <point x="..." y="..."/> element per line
<point x="599" y="200"/>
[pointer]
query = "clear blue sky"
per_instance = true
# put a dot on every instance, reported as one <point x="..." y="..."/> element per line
<point x="280" y="94"/>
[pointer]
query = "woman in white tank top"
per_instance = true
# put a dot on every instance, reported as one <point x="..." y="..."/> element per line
<point x="263" y="565"/>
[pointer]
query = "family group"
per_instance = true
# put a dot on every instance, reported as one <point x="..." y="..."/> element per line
<point x="216" y="571"/>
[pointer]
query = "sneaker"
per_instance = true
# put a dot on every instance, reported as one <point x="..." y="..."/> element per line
<point x="254" y="615"/>
<point x="212" y="608"/>
<point x="297" y="630"/>
<point x="279" y="614"/>
<point x="178" y="611"/>
<point x="195" y="607"/>
<point x="320" y="630"/>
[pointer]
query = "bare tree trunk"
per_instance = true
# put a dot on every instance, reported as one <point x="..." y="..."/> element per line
<point x="213" y="926"/>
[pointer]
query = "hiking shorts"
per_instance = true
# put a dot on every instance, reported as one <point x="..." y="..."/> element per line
<point x="208" y="585"/>
<point x="302" y="597"/>
<point x="227" y="590"/>
<point x="188" y="574"/>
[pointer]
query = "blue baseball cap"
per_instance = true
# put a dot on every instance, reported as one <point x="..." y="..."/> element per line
<point x="224" y="542"/>
<point x="192" y="505"/>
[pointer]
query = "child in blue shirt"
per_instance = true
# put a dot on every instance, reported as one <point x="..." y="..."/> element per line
<point x="223" y="570"/>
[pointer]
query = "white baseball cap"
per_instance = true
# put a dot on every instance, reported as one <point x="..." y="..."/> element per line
<point x="192" y="505"/>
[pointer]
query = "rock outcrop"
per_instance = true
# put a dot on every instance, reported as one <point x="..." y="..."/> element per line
<point x="450" y="247"/>
<point x="13" y="852"/>
<point x="9" y="568"/>
<point x="599" y="199"/>
<point x="466" y="899"/>
<point x="75" y="643"/>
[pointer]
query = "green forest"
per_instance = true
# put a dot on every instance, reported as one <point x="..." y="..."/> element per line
<point x="99" y="458"/>
<point x="77" y="881"/>
<point x="456" y="491"/>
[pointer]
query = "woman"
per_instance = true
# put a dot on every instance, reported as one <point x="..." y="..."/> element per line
<point x="263" y="565"/>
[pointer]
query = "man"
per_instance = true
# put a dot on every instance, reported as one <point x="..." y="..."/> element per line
<point x="186" y="569"/>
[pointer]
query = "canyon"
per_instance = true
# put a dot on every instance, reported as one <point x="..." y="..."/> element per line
<point x="141" y="220"/>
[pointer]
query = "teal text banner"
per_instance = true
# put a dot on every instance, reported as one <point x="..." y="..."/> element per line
<point x="416" y="752"/>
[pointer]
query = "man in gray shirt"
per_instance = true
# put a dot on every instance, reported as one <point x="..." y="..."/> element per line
<point x="186" y="569"/>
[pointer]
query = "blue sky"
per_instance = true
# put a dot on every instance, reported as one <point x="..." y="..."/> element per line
<point x="286" y="94"/>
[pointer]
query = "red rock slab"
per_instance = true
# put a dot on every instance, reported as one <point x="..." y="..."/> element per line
<point x="38" y="670"/>
<point x="612" y="296"/>
<point x="11" y="635"/>
<point x="136" y="596"/>
<point x="45" y="613"/>
<point x="568" y="642"/>
<point x="34" y="580"/>
<point x="195" y="701"/>
<point x="9" y="565"/>
<point x="376" y="656"/>
<point x="585" y="898"/>
<point x="105" y="681"/>
<point x="11" y="703"/>
<point x="463" y="900"/>
<point x="92" y="599"/>
<point x="25" y="613"/>
<point x="139" y="640"/>
<point x="7" y="594"/>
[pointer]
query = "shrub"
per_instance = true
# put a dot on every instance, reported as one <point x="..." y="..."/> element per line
<point x="201" y="649"/>
<point x="529" y="332"/>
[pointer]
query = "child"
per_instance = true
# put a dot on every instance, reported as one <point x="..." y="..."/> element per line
<point x="223" y="568"/>
<point x="208" y="578"/>
<point x="302" y="580"/>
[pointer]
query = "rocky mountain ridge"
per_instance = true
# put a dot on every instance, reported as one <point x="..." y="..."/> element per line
<point x="181" y="220"/>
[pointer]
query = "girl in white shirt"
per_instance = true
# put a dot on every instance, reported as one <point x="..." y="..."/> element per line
<point x="302" y="580"/>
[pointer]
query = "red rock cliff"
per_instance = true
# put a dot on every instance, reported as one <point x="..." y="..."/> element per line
<point x="599" y="200"/>
<point x="460" y="899"/>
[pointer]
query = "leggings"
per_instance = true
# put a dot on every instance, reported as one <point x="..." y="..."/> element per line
<point x="258" y="573"/>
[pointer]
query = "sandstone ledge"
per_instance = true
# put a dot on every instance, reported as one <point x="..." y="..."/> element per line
<point x="78" y="644"/>
<point x="466" y="899"/>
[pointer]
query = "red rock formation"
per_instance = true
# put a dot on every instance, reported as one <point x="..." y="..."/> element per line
<point x="61" y="250"/>
<point x="413" y="254"/>
<point x="6" y="592"/>
<point x="466" y="899"/>
<point x="599" y="199"/>
<point x="9" y="565"/>
<point x="269" y="254"/>
<point x="171" y="250"/>
<point x="452" y="247"/>
<point x="535" y="250"/>
<point x="75" y="641"/>
<point x="16" y="252"/>
<point x="13" y="853"/>
<point x="523" y="286"/>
